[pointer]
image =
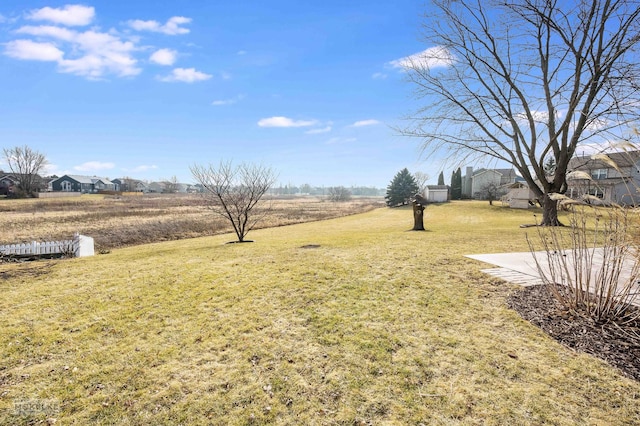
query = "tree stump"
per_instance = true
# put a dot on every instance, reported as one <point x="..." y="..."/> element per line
<point x="418" y="216"/>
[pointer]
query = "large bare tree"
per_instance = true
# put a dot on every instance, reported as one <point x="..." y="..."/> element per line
<point x="234" y="192"/>
<point x="523" y="81"/>
<point x="26" y="165"/>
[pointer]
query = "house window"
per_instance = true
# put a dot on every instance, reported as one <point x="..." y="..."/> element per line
<point x="596" y="192"/>
<point x="598" y="174"/>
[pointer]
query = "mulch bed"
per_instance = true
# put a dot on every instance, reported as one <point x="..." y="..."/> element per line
<point x="616" y="344"/>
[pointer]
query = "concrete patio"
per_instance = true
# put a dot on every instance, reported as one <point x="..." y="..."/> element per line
<point x="520" y="268"/>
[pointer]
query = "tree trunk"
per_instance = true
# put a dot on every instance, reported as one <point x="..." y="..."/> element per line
<point x="418" y="217"/>
<point x="549" y="212"/>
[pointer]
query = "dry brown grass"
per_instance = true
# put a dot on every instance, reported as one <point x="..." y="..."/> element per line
<point x="125" y="221"/>
<point x="375" y="325"/>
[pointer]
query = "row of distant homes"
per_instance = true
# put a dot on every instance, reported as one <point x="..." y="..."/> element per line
<point x="95" y="184"/>
<point x="615" y="179"/>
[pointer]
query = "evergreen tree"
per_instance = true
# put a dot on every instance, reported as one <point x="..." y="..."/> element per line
<point x="401" y="189"/>
<point x="441" y="178"/>
<point x="456" y="184"/>
<point x="550" y="166"/>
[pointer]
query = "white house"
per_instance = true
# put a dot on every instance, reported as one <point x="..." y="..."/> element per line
<point x="475" y="183"/>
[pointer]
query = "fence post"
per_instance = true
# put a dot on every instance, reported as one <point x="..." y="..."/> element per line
<point x="83" y="245"/>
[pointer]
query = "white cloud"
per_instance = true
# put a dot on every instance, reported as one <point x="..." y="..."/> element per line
<point x="596" y="124"/>
<point x="285" y="122"/>
<point x="171" y="27"/>
<point x="319" y="131"/>
<point x="538" y="116"/>
<point x="59" y="33"/>
<point x="164" y="57"/>
<point x="95" y="54"/>
<point x="30" y="50"/>
<point x="432" y="57"/>
<point x="241" y="52"/>
<point x="225" y="75"/>
<point x="363" y="123"/>
<point x="91" y="166"/>
<point x="142" y="168"/>
<point x="378" y="76"/>
<point x="228" y="101"/>
<point x="185" y="75"/>
<point x="70" y="15"/>
<point x="54" y="169"/>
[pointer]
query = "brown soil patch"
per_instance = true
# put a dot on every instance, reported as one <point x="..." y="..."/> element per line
<point x="619" y="345"/>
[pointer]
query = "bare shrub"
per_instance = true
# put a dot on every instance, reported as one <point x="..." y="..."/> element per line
<point x="338" y="194"/>
<point x="592" y="266"/>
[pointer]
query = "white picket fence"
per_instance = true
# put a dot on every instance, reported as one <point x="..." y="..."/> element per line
<point x="80" y="246"/>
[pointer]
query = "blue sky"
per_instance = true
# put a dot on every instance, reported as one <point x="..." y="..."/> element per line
<point x="146" y="89"/>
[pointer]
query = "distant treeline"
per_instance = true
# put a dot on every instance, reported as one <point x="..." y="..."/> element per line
<point x="324" y="190"/>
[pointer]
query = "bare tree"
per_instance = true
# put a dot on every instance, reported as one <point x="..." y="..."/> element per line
<point x="26" y="165"/>
<point x="338" y="194"/>
<point x="421" y="179"/>
<point x="171" y="186"/>
<point x="526" y="80"/>
<point x="491" y="191"/>
<point x="128" y="184"/>
<point x="234" y="192"/>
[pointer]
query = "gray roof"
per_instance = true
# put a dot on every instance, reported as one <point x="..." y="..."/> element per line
<point x="503" y="172"/>
<point x="621" y="159"/>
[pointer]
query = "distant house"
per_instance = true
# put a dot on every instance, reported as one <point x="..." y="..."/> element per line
<point x="7" y="184"/>
<point x="83" y="184"/>
<point x="11" y="181"/>
<point x="611" y="184"/>
<point x="129" y="185"/>
<point x="437" y="193"/>
<point x="156" y="187"/>
<point x="476" y="182"/>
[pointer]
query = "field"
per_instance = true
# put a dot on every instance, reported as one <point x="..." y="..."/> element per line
<point x="125" y="221"/>
<point x="347" y="321"/>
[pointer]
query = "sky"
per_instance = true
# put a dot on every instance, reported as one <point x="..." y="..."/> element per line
<point x="146" y="89"/>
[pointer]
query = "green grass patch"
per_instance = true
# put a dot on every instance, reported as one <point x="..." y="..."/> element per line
<point x="372" y="324"/>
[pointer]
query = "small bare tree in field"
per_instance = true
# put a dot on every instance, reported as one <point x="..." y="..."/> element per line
<point x="338" y="194"/>
<point x="234" y="192"/>
<point x="26" y="165"/>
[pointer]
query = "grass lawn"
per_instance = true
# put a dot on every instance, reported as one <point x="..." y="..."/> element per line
<point x="371" y="324"/>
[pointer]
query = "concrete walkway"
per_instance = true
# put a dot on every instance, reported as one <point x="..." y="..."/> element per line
<point x="520" y="268"/>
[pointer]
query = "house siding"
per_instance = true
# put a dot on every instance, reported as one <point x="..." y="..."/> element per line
<point x="612" y="185"/>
